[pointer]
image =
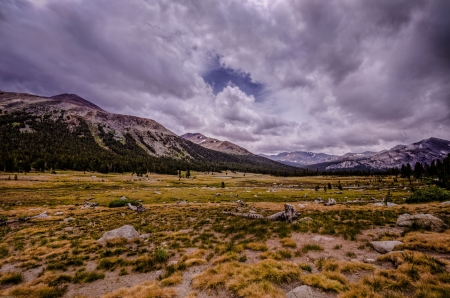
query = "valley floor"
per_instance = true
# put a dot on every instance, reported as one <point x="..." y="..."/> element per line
<point x="188" y="247"/>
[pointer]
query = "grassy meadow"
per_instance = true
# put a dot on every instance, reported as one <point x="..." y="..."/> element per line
<point x="192" y="249"/>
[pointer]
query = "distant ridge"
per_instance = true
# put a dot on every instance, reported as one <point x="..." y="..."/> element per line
<point x="215" y="144"/>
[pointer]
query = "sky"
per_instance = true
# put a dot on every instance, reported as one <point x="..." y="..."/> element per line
<point x="270" y="75"/>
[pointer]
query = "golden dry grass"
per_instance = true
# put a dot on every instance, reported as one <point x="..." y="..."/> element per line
<point x="174" y="279"/>
<point x="144" y="290"/>
<point x="439" y="242"/>
<point x="327" y="283"/>
<point x="288" y="242"/>
<point x="254" y="281"/>
<point x="256" y="246"/>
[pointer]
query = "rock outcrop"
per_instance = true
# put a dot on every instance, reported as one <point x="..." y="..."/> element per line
<point x="127" y="232"/>
<point x="425" y="221"/>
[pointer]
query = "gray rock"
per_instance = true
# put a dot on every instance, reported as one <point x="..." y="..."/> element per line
<point x="144" y="236"/>
<point x="330" y="202"/>
<point x="127" y="232"/>
<point x="138" y="208"/>
<point x="42" y="215"/>
<point x="67" y="219"/>
<point x="385" y="246"/>
<point x="58" y="213"/>
<point x="289" y="214"/>
<point x="422" y="220"/>
<point x="445" y="203"/>
<point x="303" y="291"/>
<point x="320" y="238"/>
<point x="306" y="219"/>
<point x="123" y="198"/>
<point x="370" y="261"/>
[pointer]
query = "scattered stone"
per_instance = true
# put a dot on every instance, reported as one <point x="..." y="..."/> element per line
<point x="90" y="204"/>
<point x="379" y="204"/>
<point x="127" y="232"/>
<point x="67" y="219"/>
<point x="42" y="215"/>
<point x="389" y="204"/>
<point x="245" y="215"/>
<point x="426" y="221"/>
<point x="156" y="192"/>
<point x="385" y="246"/>
<point x="445" y="203"/>
<point x="318" y="201"/>
<point x="301" y="206"/>
<point x="240" y="202"/>
<point x="330" y="202"/>
<point x="144" y="236"/>
<point x="138" y="208"/>
<point x="289" y="214"/>
<point x="123" y="198"/>
<point x="172" y="263"/>
<point x="181" y="202"/>
<point x="68" y="229"/>
<point x="306" y="219"/>
<point x="58" y="213"/>
<point x="303" y="291"/>
<point x="319" y="238"/>
<point x="370" y="261"/>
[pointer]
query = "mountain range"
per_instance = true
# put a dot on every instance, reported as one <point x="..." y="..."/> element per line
<point x="68" y="132"/>
<point x="424" y="151"/>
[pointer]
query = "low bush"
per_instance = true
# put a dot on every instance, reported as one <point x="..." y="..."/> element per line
<point x="11" y="278"/>
<point x="429" y="194"/>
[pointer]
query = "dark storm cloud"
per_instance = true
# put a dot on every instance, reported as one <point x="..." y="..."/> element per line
<point x="296" y="74"/>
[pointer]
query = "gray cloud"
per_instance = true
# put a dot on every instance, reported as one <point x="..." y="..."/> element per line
<point x="336" y="76"/>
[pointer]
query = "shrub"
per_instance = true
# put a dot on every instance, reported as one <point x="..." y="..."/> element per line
<point x="4" y="251"/>
<point x="311" y="247"/>
<point x="86" y="277"/>
<point x="429" y="194"/>
<point x="11" y="278"/>
<point x="256" y="246"/>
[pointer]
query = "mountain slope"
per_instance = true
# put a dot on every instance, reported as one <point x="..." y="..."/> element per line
<point x="215" y="144"/>
<point x="66" y="131"/>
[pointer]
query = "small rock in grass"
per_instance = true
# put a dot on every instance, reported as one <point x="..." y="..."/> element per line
<point x="319" y="238"/>
<point x="58" y="213"/>
<point x="303" y="291"/>
<point x="370" y="261"/>
<point x="385" y="246"/>
<point x="67" y="219"/>
<point x="144" y="236"/>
